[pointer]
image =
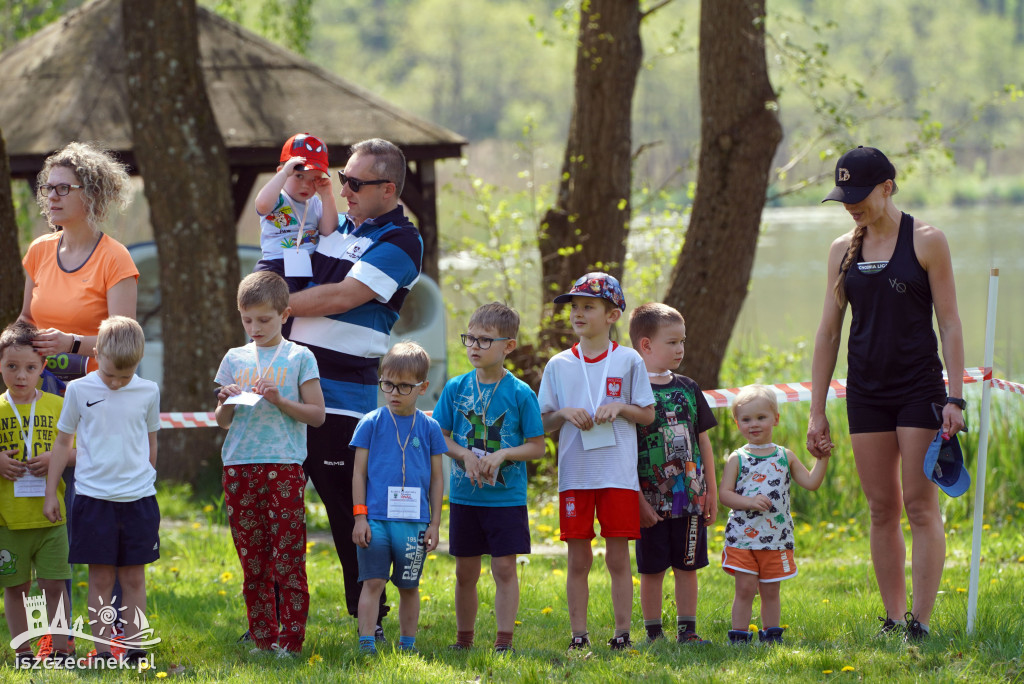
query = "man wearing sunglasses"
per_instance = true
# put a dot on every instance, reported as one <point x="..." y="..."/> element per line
<point x="362" y="273"/>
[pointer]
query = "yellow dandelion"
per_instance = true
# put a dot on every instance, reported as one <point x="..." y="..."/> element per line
<point x="826" y="672"/>
<point x="1020" y="559"/>
<point x="545" y="529"/>
<point x="835" y="513"/>
<point x="174" y="570"/>
<point x="719" y="528"/>
<point x="310" y="545"/>
<point x="208" y="508"/>
<point x="195" y="526"/>
<point x="550" y="510"/>
<point x="1020" y="505"/>
<point x="593" y="542"/>
<point x="425" y="598"/>
<point x="315" y="658"/>
<point x="325" y="552"/>
<point x="824" y="600"/>
<point x="961" y="590"/>
<point x="226" y="576"/>
<point x="636" y="581"/>
<point x="222" y="593"/>
<point x="518" y="622"/>
<point x="842" y="529"/>
<point x="849" y="668"/>
<point x="432" y="556"/>
<point x="752" y="628"/>
<point x="483" y="571"/>
<point x="986" y="526"/>
<point x="546" y="609"/>
<point x="530" y="512"/>
<point x="851" y="521"/>
<point x="822" y="523"/>
<point x="161" y="675"/>
<point x="557" y="572"/>
<point x="144" y="664"/>
<point x="719" y="538"/>
<point x="85" y="585"/>
<point x="554" y="539"/>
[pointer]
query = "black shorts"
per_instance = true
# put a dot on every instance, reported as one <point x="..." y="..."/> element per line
<point x="485" y="530"/>
<point x="120" y="533"/>
<point x="872" y="416"/>
<point x="681" y="543"/>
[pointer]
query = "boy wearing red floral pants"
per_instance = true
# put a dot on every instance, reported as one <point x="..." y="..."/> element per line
<point x="270" y="390"/>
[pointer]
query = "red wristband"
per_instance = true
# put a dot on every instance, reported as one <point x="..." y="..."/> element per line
<point x="360" y="509"/>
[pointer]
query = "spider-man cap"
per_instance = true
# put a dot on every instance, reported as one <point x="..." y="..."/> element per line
<point x="312" y="148"/>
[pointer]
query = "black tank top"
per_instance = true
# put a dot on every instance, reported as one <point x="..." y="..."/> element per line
<point x="893" y="354"/>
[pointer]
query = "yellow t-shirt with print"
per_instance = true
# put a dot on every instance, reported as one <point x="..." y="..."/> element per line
<point x="20" y="512"/>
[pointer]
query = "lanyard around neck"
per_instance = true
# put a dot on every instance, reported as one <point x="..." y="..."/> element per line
<point x="26" y="437"/>
<point x="399" y="439"/>
<point x="256" y="351"/>
<point x="479" y="393"/>
<point x="586" y="376"/>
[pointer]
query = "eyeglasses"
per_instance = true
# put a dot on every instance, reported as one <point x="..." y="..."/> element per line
<point x="62" y="189"/>
<point x="404" y="388"/>
<point x="357" y="184"/>
<point x="482" y="342"/>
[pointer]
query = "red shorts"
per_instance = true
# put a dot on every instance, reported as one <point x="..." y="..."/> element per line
<point x="618" y="511"/>
<point x="770" y="565"/>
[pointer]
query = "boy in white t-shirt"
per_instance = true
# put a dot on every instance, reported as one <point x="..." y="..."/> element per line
<point x="300" y="192"/>
<point x="116" y="415"/>
<point x="595" y="394"/>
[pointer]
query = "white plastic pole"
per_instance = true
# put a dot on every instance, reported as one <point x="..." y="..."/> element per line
<point x="979" y="475"/>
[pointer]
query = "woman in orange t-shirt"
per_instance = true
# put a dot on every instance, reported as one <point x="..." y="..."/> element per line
<point x="76" y="276"/>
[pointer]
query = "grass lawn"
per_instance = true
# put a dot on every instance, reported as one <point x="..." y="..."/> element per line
<point x="195" y="606"/>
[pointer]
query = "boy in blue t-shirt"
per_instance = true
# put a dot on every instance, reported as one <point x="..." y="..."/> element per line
<point x="492" y="424"/>
<point x="398" y="461"/>
<point x="270" y="391"/>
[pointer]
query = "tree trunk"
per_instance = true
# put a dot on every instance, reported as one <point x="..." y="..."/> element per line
<point x="12" y="277"/>
<point x="739" y="134"/>
<point x="181" y="156"/>
<point x="587" y="228"/>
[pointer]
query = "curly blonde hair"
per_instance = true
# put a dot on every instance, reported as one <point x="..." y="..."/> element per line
<point x="106" y="180"/>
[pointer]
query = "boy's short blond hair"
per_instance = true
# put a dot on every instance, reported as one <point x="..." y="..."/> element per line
<point x="647" y="319"/>
<point x="502" y="319"/>
<point x="406" y="358"/>
<point x="753" y="392"/>
<point x="121" y="341"/>
<point x="263" y="287"/>
<point x="18" y="334"/>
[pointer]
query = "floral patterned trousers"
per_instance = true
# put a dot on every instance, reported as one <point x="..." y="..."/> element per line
<point x="267" y="514"/>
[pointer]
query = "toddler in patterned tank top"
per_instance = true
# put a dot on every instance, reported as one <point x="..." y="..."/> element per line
<point x="759" y="535"/>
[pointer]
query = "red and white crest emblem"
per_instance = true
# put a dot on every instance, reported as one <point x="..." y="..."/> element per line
<point x="613" y="387"/>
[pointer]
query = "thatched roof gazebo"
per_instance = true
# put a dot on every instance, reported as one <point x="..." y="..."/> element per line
<point x="67" y="82"/>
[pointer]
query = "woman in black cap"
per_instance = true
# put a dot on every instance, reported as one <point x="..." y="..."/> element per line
<point x="893" y="270"/>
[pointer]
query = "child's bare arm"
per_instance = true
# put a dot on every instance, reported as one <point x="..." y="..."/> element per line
<point x="152" y="448"/>
<point x="470" y="462"/>
<point x="707" y="464"/>
<point x="361" y="530"/>
<point x="58" y="460"/>
<point x="553" y="420"/>
<point x="531" y="449"/>
<point x="329" y="221"/>
<point x="310" y="410"/>
<point x="225" y="413"/>
<point x="812" y="479"/>
<point x="641" y="415"/>
<point x="727" y="489"/>
<point x="433" y="534"/>
<point x="266" y="198"/>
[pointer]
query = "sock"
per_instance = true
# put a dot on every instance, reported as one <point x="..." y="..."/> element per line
<point x="653" y="628"/>
<point x="367" y="645"/>
<point x="503" y="640"/>
<point x="686" y="623"/>
<point x="585" y="634"/>
<point x="407" y="643"/>
<point x="621" y="632"/>
<point x="464" y="638"/>
<point x="901" y="623"/>
<point x="924" y="627"/>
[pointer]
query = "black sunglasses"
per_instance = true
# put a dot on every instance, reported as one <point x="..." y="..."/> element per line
<point x="357" y="184"/>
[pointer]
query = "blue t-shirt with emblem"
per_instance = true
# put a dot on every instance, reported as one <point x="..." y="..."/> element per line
<point x="376" y="433"/>
<point x="513" y="416"/>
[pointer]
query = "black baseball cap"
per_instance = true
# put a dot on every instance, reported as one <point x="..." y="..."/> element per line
<point x="858" y="172"/>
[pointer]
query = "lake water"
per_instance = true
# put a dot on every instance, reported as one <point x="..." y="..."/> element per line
<point x="787" y="288"/>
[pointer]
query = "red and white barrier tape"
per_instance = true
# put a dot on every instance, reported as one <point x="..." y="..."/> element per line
<point x="718" y="398"/>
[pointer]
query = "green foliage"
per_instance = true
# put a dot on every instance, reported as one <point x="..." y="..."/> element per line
<point x="21" y="18"/>
<point x="288" y="23"/>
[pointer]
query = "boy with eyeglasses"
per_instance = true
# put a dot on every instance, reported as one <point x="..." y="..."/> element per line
<point x="269" y="392"/>
<point x="492" y="424"/>
<point x="296" y="206"/>
<point x="396" y="493"/>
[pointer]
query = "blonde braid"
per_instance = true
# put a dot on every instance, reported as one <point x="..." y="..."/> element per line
<point x="839" y="289"/>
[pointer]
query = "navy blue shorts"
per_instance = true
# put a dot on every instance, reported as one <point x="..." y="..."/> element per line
<point x="120" y="533"/>
<point x="681" y="543"/>
<point x="872" y="416"/>
<point x="486" y="530"/>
